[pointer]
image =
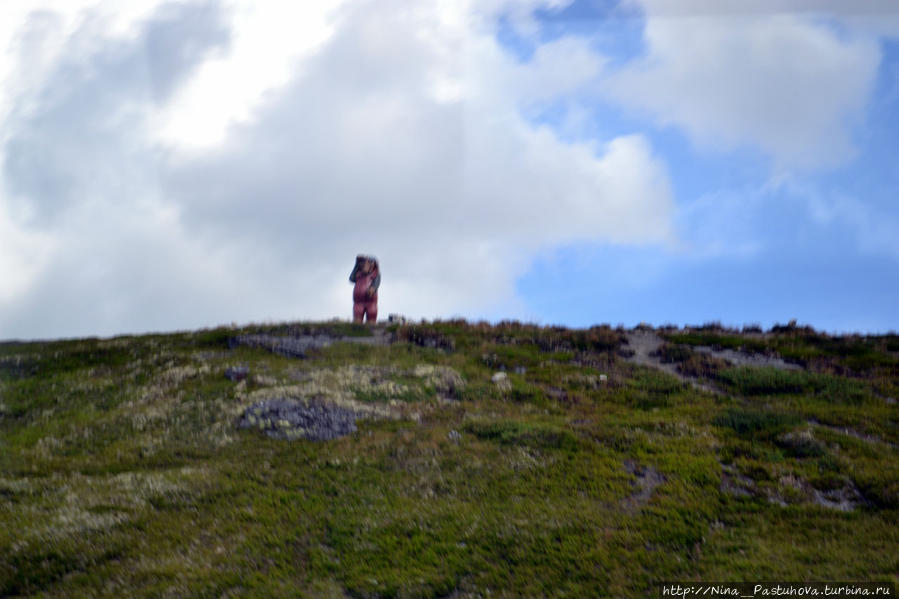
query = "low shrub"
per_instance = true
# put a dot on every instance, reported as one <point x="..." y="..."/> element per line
<point x="690" y="363"/>
<point x="755" y="381"/>
<point x="748" y="380"/>
<point x="754" y="422"/>
<point x="801" y="444"/>
<point x="542" y="436"/>
<point x="425" y="336"/>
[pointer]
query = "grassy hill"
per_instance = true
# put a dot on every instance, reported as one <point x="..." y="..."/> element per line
<point x="508" y="460"/>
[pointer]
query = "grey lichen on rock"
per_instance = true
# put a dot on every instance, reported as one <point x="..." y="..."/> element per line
<point x="299" y="419"/>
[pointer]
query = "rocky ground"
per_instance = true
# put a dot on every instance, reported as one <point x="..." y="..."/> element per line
<point x="298" y="346"/>
<point x="296" y="419"/>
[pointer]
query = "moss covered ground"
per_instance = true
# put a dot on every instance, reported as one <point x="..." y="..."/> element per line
<point x="576" y="474"/>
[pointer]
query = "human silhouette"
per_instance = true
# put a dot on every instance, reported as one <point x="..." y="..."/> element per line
<point x="367" y="277"/>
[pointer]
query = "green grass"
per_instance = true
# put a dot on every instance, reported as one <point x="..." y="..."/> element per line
<point x="122" y="472"/>
<point x="538" y="435"/>
<point x="755" y="423"/>
<point x="717" y="340"/>
<point x="754" y="381"/>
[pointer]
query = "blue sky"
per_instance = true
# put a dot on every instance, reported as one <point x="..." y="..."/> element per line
<point x="833" y="271"/>
<point x="178" y="165"/>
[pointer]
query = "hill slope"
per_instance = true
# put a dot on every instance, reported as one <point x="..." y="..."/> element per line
<point x="506" y="460"/>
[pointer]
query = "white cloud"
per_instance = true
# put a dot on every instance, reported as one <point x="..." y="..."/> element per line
<point x="268" y="40"/>
<point x="775" y="77"/>
<point x="34" y="35"/>
<point x="398" y="131"/>
<point x="23" y="255"/>
<point x="373" y="159"/>
<point x="875" y="231"/>
<point x="858" y="8"/>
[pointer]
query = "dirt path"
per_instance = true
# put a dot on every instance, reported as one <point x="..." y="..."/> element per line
<point x="645" y="345"/>
<point x="646" y="479"/>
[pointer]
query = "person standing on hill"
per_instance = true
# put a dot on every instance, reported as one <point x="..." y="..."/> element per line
<point x="367" y="277"/>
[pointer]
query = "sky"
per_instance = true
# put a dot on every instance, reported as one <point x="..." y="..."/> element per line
<point x="177" y="165"/>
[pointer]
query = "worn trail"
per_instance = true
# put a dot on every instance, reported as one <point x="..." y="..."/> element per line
<point x="646" y="344"/>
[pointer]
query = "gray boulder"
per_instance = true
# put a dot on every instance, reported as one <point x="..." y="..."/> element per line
<point x="293" y="419"/>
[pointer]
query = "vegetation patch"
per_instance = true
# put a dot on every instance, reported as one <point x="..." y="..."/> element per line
<point x="750" y="422"/>
<point x="425" y="336"/>
<point x="801" y="444"/>
<point x="544" y="436"/>
<point x="753" y="381"/>
<point x="510" y="460"/>
<point x="717" y="340"/>
<point x="854" y="355"/>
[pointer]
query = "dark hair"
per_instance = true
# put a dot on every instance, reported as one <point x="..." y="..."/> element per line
<point x="360" y="258"/>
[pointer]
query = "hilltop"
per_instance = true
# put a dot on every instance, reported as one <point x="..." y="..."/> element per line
<point x="446" y="459"/>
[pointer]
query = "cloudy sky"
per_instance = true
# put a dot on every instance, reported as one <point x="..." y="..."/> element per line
<point x="175" y="165"/>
